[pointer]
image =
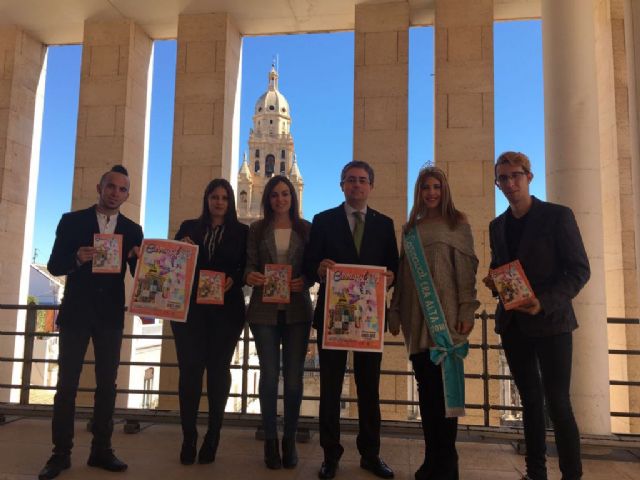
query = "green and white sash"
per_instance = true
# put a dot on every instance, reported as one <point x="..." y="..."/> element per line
<point x="444" y="353"/>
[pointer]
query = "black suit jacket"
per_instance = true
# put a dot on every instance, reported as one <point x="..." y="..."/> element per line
<point x="331" y="238"/>
<point x="88" y="297"/>
<point x="230" y="258"/>
<point x="555" y="262"/>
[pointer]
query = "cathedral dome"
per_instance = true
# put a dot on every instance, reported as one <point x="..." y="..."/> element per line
<point x="272" y="101"/>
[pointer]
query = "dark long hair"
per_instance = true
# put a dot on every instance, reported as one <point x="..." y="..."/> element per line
<point x="231" y="216"/>
<point x="297" y="224"/>
<point x="448" y="210"/>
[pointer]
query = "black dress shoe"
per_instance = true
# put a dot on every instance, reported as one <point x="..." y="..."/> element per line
<point x="207" y="453"/>
<point x="376" y="466"/>
<point x="106" y="460"/>
<point x="328" y="469"/>
<point x="56" y="464"/>
<point x="425" y="472"/>
<point x="289" y="453"/>
<point x="272" y="454"/>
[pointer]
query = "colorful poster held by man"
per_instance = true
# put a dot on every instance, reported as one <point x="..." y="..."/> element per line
<point x="512" y="285"/>
<point x="163" y="280"/>
<point x="355" y="308"/>
<point x="108" y="256"/>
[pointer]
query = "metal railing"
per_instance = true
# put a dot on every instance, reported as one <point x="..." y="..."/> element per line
<point x="30" y="334"/>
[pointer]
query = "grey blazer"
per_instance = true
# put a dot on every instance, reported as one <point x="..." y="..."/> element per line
<point x="262" y="252"/>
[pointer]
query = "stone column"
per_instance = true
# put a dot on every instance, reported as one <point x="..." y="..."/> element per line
<point x="617" y="193"/>
<point x="112" y="119"/>
<point x="574" y="179"/>
<point x="205" y="131"/>
<point x="464" y="142"/>
<point x="21" y="60"/>
<point x="380" y="138"/>
<point x="627" y="12"/>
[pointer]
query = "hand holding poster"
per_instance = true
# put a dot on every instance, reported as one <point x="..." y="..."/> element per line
<point x="512" y="285"/>
<point x="210" y="287"/>
<point x="108" y="256"/>
<point x="277" y="283"/>
<point x="354" y="309"/>
<point x="163" y="280"/>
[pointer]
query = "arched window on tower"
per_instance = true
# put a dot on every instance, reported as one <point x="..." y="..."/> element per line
<point x="282" y="168"/>
<point x="282" y="154"/>
<point x="257" y="166"/>
<point x="243" y="197"/>
<point x="269" y="165"/>
<point x="257" y="153"/>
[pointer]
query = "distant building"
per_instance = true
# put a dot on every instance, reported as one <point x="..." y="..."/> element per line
<point x="271" y="152"/>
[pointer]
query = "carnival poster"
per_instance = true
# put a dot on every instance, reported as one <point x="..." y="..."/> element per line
<point x="210" y="287"/>
<point x="108" y="256"/>
<point x="277" y="283"/>
<point x="512" y="285"/>
<point x="163" y="279"/>
<point x="354" y="309"/>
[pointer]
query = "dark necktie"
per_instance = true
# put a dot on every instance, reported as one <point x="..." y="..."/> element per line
<point x="358" y="230"/>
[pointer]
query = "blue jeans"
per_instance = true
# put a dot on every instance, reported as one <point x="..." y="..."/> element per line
<point x="541" y="369"/>
<point x="294" y="339"/>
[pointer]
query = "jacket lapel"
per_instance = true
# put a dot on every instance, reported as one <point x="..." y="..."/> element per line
<point x="270" y="244"/>
<point x="346" y="230"/>
<point x="502" y="253"/>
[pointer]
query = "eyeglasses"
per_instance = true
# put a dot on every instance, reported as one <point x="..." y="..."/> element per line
<point x="354" y="180"/>
<point x="515" y="176"/>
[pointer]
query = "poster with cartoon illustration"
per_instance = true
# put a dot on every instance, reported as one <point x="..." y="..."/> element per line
<point x="163" y="279"/>
<point x="210" y="288"/>
<point x="354" y="309"/>
<point x="108" y="256"/>
<point x="277" y="283"/>
<point x="512" y="285"/>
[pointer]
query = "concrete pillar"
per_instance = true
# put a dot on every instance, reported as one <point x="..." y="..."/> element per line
<point x="206" y="127"/>
<point x="206" y="118"/>
<point x="21" y="60"/>
<point x="380" y="137"/>
<point x="628" y="77"/>
<point x="112" y="119"/>
<point x="617" y="192"/>
<point x="572" y="155"/>
<point x="464" y="140"/>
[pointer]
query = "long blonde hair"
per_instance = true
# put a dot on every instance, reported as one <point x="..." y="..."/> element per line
<point x="448" y="211"/>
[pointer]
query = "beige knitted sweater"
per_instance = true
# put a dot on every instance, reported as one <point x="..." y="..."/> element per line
<point x="453" y="267"/>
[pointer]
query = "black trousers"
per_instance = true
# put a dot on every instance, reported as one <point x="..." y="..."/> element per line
<point x="541" y="369"/>
<point x="205" y="342"/>
<point x="73" y="343"/>
<point x="366" y="367"/>
<point x="441" y="457"/>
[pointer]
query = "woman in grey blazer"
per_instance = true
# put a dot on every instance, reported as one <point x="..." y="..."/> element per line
<point x="279" y="238"/>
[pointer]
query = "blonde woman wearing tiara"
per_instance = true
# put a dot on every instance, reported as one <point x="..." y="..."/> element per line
<point x="438" y="259"/>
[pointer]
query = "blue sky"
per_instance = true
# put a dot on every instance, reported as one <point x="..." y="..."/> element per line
<point x="319" y="88"/>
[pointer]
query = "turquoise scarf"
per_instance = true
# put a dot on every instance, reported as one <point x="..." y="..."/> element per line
<point x="444" y="353"/>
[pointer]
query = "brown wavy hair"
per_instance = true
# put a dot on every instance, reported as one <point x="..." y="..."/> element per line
<point x="298" y="225"/>
<point x="448" y="211"/>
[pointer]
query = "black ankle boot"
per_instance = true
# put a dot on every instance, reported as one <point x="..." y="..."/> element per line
<point x="289" y="453"/>
<point x="272" y="454"/>
<point x="188" y="450"/>
<point x="207" y="453"/>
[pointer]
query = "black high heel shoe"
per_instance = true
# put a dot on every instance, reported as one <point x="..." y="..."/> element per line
<point x="188" y="451"/>
<point x="289" y="453"/>
<point x="207" y="453"/>
<point x="272" y="454"/>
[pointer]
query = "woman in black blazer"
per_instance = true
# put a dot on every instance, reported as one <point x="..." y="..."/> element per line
<point x="209" y="337"/>
<point x="279" y="330"/>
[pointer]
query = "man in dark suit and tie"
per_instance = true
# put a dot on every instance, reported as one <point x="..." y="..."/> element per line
<point x="537" y="337"/>
<point x="351" y="233"/>
<point x="92" y="308"/>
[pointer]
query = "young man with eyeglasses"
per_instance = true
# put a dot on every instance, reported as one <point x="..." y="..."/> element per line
<point x="351" y="233"/>
<point x="537" y="337"/>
